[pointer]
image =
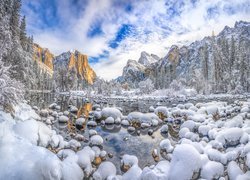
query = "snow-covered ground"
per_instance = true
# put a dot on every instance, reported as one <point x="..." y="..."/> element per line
<point x="204" y="141"/>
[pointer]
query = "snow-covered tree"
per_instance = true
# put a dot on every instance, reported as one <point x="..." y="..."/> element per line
<point x="146" y="86"/>
<point x="10" y="89"/>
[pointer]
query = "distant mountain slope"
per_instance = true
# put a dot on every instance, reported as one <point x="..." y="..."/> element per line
<point x="215" y="64"/>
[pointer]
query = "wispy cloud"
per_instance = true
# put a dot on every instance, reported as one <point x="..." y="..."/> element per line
<point x="111" y="32"/>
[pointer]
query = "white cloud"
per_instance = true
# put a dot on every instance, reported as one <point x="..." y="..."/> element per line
<point x="147" y="16"/>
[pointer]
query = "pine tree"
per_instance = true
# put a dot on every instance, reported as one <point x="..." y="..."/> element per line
<point x="23" y="37"/>
<point x="14" y="20"/>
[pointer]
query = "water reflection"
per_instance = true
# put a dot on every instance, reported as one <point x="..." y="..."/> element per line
<point x="84" y="110"/>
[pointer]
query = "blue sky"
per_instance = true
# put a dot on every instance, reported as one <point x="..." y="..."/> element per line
<point x="112" y="31"/>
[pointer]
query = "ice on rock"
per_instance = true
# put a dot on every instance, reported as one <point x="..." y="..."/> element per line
<point x="24" y="112"/>
<point x="125" y="122"/>
<point x="105" y="170"/>
<point x="236" y="121"/>
<point x="215" y="155"/>
<point x="149" y="118"/>
<point x="73" y="109"/>
<point x="44" y="134"/>
<point x="71" y="170"/>
<point x="161" y="111"/>
<point x="63" y="119"/>
<point x="85" y="158"/>
<point x="109" y="120"/>
<point x="245" y="109"/>
<point x="129" y="160"/>
<point x="118" y="121"/>
<point x="248" y="160"/>
<point x="54" y="114"/>
<point x="66" y="113"/>
<point x="244" y="176"/>
<point x="28" y="130"/>
<point x="158" y="172"/>
<point x="134" y="116"/>
<point x="204" y="129"/>
<point x="183" y="131"/>
<point x="212" y="110"/>
<point x="111" y="112"/>
<point x="197" y="117"/>
<point x="54" y="142"/>
<point x="151" y="109"/>
<point x="185" y="161"/>
<point x="74" y="144"/>
<point x="212" y="170"/>
<point x="230" y="136"/>
<point x="233" y="170"/>
<point x="21" y="159"/>
<point x="198" y="146"/>
<point x="44" y="112"/>
<point x="191" y="125"/>
<point x="166" y="146"/>
<point x="52" y="106"/>
<point x="96" y="140"/>
<point x="67" y="153"/>
<point x="92" y="132"/>
<point x="133" y="173"/>
<point x="36" y="132"/>
<point x="97" y="151"/>
<point x="80" y="122"/>
<point x="145" y="125"/>
<point x="91" y="123"/>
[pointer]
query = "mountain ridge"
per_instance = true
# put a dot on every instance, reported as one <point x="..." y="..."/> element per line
<point x="217" y="55"/>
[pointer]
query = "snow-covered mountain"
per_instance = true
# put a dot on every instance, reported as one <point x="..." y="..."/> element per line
<point x="147" y="59"/>
<point x="213" y="64"/>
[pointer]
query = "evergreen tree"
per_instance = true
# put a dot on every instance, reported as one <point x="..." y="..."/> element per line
<point x="14" y="20"/>
<point x="23" y="37"/>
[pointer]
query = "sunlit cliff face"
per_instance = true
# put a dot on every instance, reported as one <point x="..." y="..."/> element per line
<point x="43" y="55"/>
<point x="76" y="60"/>
<point x="80" y="62"/>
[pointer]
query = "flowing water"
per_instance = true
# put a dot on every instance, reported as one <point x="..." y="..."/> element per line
<point x="117" y="140"/>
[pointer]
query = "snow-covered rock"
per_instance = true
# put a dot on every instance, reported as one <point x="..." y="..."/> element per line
<point x="110" y="120"/>
<point x="186" y="157"/>
<point x="63" y="119"/>
<point x="96" y="140"/>
<point x="212" y="170"/>
<point x="105" y="170"/>
<point x="111" y="112"/>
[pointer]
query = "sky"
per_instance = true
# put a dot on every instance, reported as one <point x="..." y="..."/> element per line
<point x="112" y="31"/>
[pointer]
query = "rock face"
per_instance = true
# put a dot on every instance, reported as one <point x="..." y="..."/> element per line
<point x="74" y="59"/>
<point x="213" y="64"/>
<point x="135" y="72"/>
<point x="44" y="59"/>
<point x="71" y="59"/>
<point x="43" y="55"/>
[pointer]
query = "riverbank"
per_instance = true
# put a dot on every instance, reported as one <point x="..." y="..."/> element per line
<point x="208" y="140"/>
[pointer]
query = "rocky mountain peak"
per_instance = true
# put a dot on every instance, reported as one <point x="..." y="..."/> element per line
<point x="147" y="59"/>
